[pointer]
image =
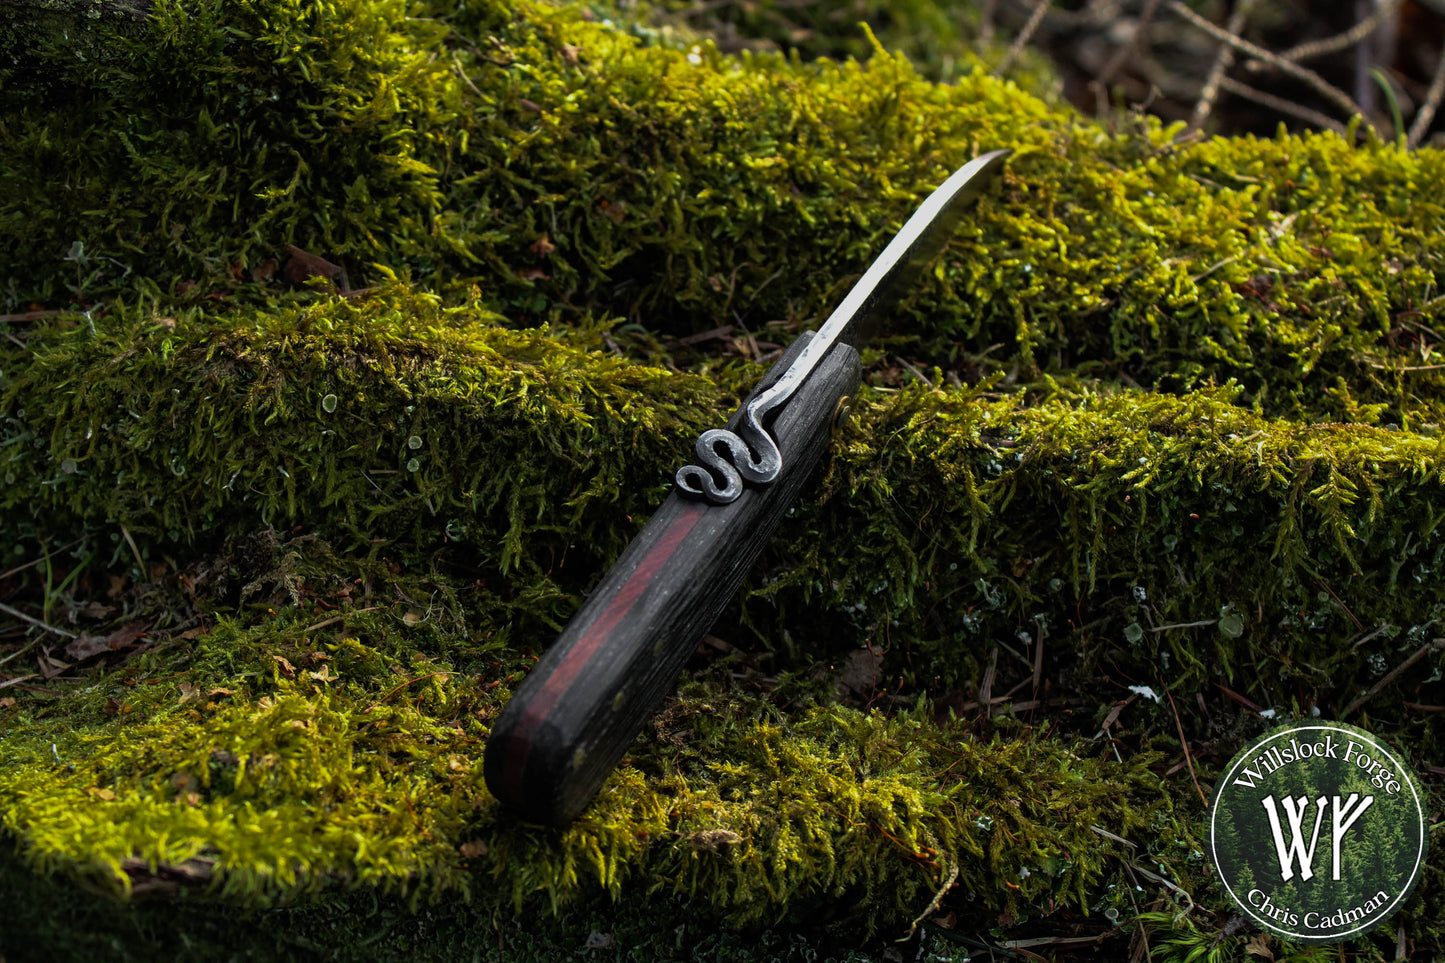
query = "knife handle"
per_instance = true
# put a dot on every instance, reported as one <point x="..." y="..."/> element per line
<point x="585" y="700"/>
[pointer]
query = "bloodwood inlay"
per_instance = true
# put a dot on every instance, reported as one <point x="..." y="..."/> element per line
<point x="582" y="651"/>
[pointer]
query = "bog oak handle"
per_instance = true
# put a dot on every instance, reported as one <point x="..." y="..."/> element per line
<point x="586" y="699"/>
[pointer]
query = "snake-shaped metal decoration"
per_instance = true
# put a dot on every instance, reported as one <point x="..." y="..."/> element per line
<point x="736" y="462"/>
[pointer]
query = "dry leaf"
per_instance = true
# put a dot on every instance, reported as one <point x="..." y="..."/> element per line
<point x="301" y="266"/>
<point x="287" y="669"/>
<point x="105" y="795"/>
<point x="543" y="246"/>
<point x="88" y="646"/>
<point x="6" y="702"/>
<point x="1259" y="946"/>
<point x="473" y="849"/>
<point x="863" y="672"/>
<point x="532" y="274"/>
<point x="570" y="52"/>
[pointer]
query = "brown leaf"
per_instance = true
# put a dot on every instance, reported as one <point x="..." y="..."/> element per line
<point x="6" y="702"/>
<point x="104" y="795"/>
<point x="532" y="274"/>
<point x="862" y="673"/>
<point x="570" y="52"/>
<point x="473" y="849"/>
<point x="89" y="646"/>
<point x="301" y="266"/>
<point x="51" y="667"/>
<point x="543" y="246"/>
<point x="287" y="669"/>
<point x="264" y="271"/>
<point x="1259" y="946"/>
<point x="189" y="691"/>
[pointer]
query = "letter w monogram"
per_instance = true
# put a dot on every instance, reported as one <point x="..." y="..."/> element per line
<point x="1346" y="812"/>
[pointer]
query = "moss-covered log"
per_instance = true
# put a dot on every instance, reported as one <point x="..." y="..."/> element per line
<point x="1173" y="423"/>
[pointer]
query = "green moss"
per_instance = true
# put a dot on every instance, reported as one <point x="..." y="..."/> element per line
<point x="1191" y="442"/>
<point x="679" y="193"/>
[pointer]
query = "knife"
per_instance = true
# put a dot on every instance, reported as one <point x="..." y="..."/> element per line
<point x="583" y="703"/>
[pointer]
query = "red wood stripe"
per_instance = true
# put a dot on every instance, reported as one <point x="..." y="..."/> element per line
<point x="582" y="651"/>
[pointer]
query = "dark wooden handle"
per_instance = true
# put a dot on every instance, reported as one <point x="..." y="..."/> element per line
<point x="582" y="705"/>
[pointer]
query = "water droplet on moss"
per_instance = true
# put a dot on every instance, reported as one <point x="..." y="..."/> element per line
<point x="1231" y="626"/>
<point x="414" y="442"/>
<point x="413" y="465"/>
<point x="1133" y="632"/>
<point x="328" y="404"/>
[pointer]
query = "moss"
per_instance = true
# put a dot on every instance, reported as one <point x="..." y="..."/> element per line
<point x="1099" y="516"/>
<point x="1181" y="432"/>
<point x="567" y="167"/>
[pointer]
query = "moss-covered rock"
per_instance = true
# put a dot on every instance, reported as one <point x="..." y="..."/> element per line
<point x="1172" y="422"/>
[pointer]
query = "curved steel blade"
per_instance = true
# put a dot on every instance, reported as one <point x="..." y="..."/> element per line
<point x="752" y="455"/>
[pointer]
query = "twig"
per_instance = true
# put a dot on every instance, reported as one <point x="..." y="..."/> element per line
<point x="1222" y="62"/>
<point x="1325" y="89"/>
<point x="17" y="680"/>
<point x="1037" y="17"/>
<point x="1179" y="724"/>
<point x="131" y="542"/>
<point x="20" y="651"/>
<point x="915" y="372"/>
<point x="1184" y="625"/>
<point x="1426" y="113"/>
<point x="337" y="618"/>
<point x="35" y="561"/>
<point x="1311" y="49"/>
<point x="1247" y="703"/>
<point x="1392" y="675"/>
<point x="1280" y="104"/>
<point x="985" y="27"/>
<point x="395" y="689"/>
<point x="934" y="904"/>
<point x="1122" y="54"/>
<point x="34" y="621"/>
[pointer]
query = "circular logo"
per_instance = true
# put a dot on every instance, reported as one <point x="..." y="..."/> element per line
<point x="1318" y="831"/>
